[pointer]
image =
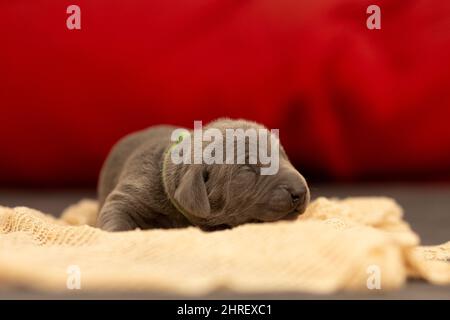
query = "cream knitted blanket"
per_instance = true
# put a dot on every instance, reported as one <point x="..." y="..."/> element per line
<point x="350" y="244"/>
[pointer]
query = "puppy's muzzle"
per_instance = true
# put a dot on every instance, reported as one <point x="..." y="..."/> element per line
<point x="299" y="192"/>
<point x="288" y="198"/>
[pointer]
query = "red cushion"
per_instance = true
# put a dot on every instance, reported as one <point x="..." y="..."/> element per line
<point x="349" y="102"/>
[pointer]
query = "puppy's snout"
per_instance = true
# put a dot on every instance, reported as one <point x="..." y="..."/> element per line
<point x="298" y="196"/>
<point x="299" y="192"/>
<point x="288" y="197"/>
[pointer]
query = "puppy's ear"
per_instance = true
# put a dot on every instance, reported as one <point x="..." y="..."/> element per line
<point x="191" y="193"/>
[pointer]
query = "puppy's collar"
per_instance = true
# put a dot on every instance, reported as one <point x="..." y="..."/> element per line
<point x="166" y="157"/>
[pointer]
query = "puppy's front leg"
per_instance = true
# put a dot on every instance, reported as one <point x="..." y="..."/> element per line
<point x="115" y="214"/>
<point x="112" y="222"/>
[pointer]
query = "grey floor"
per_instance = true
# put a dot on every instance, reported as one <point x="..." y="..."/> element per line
<point x="427" y="209"/>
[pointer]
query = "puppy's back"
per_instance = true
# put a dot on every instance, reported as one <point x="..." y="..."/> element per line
<point x="120" y="153"/>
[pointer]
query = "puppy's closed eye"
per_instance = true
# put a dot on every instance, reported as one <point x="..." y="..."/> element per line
<point x="205" y="176"/>
<point x="245" y="177"/>
<point x="249" y="169"/>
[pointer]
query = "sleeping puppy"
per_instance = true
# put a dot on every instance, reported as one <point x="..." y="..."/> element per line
<point x="141" y="187"/>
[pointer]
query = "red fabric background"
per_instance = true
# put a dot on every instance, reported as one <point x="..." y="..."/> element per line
<point x="350" y="103"/>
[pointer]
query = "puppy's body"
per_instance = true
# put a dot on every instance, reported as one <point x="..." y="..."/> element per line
<point x="140" y="187"/>
<point x="131" y="192"/>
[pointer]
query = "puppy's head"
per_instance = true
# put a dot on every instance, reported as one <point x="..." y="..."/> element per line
<point x="215" y="196"/>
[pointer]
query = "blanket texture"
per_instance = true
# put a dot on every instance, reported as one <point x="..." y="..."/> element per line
<point x="349" y="244"/>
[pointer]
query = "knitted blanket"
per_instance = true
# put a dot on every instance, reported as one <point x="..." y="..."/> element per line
<point x="350" y="244"/>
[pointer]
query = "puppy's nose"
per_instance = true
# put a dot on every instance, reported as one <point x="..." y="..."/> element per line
<point x="298" y="189"/>
<point x="298" y="195"/>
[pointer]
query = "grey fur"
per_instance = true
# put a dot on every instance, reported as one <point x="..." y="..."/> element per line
<point x="132" y="195"/>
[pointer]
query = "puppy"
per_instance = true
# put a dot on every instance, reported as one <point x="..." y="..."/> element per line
<point x="140" y="187"/>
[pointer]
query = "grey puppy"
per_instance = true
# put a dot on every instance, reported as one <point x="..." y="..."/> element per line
<point x="140" y="187"/>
